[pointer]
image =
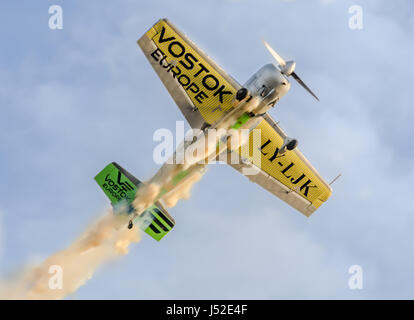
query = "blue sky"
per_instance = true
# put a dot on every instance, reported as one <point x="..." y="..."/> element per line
<point x="73" y="100"/>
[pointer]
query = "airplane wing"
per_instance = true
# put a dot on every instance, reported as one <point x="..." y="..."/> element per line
<point x="202" y="90"/>
<point x="289" y="176"/>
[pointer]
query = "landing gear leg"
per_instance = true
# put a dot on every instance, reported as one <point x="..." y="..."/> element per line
<point x="205" y="126"/>
<point x="130" y="224"/>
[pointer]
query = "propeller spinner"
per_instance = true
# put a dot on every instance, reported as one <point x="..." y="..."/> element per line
<point x="288" y="68"/>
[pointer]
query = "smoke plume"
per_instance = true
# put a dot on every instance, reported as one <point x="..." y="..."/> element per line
<point x="65" y="271"/>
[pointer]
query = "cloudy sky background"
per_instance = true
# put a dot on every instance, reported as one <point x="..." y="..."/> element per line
<point x="73" y="100"/>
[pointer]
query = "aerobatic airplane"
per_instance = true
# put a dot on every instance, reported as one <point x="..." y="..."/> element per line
<point x="210" y="98"/>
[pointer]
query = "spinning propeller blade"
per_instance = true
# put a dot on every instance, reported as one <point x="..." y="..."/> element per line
<point x="288" y="68"/>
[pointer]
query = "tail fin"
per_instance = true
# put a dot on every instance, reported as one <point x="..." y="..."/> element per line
<point x="120" y="187"/>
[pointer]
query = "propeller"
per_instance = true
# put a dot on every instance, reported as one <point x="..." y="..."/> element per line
<point x="288" y="68"/>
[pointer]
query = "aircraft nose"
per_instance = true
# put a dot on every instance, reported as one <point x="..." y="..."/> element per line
<point x="283" y="85"/>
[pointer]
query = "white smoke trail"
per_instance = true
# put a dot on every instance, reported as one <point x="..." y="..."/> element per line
<point x="99" y="244"/>
<point x="183" y="192"/>
<point x="74" y="265"/>
<point x="196" y="156"/>
<point x="103" y="241"/>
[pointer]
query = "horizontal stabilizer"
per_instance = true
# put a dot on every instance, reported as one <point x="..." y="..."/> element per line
<point x="120" y="187"/>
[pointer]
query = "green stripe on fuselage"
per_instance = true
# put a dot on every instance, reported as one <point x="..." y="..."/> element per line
<point x="241" y="121"/>
<point x="179" y="176"/>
